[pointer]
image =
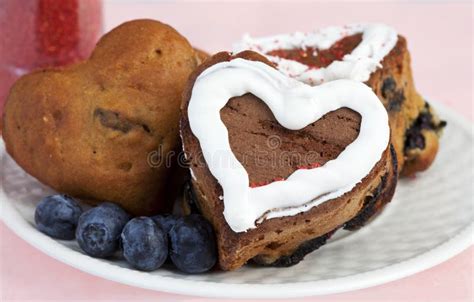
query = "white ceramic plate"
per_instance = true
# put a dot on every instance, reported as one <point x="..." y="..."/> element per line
<point x="429" y="220"/>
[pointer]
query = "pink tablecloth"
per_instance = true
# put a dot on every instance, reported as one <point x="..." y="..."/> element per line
<point x="440" y="37"/>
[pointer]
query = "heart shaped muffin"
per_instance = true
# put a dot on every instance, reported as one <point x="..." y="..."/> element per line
<point x="370" y="53"/>
<point x="100" y="130"/>
<point x="277" y="165"/>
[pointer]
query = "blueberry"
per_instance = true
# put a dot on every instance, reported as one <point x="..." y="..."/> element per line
<point x="144" y="243"/>
<point x="99" y="228"/>
<point x="388" y="87"/>
<point x="166" y="221"/>
<point x="57" y="216"/>
<point x="192" y="244"/>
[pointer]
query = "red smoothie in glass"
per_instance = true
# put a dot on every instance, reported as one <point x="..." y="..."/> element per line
<point x="44" y="33"/>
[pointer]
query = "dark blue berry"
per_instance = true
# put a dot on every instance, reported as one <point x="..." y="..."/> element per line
<point x="192" y="244"/>
<point x="99" y="228"/>
<point x="145" y="244"/>
<point x="166" y="221"/>
<point x="57" y="216"/>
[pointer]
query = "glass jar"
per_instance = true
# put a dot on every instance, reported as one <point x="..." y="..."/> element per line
<point x="44" y="33"/>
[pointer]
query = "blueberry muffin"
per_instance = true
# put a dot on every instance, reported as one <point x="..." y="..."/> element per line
<point x="100" y="130"/>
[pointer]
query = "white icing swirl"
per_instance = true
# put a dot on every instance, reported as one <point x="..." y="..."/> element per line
<point x="294" y="105"/>
<point x="377" y="41"/>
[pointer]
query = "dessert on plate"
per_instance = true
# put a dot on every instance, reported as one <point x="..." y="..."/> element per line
<point x="277" y="165"/>
<point x="371" y="53"/>
<point x="89" y="129"/>
<point x="286" y="142"/>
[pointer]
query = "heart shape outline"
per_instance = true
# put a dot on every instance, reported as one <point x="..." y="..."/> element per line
<point x="377" y="41"/>
<point x="294" y="105"/>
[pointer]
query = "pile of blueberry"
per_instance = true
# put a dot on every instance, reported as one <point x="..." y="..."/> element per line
<point x="146" y="242"/>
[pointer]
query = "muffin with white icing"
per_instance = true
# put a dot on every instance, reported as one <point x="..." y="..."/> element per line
<point x="278" y="165"/>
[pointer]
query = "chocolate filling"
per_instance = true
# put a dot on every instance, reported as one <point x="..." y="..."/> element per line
<point x="318" y="58"/>
<point x="270" y="152"/>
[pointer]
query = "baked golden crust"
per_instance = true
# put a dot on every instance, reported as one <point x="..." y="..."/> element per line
<point x="422" y="141"/>
<point x="394" y="85"/>
<point x="278" y="237"/>
<point x="88" y="130"/>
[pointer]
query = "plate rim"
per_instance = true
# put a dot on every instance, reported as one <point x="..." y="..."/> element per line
<point x="448" y="249"/>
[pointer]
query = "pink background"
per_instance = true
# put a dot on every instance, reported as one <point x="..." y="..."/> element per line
<point x="440" y="41"/>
